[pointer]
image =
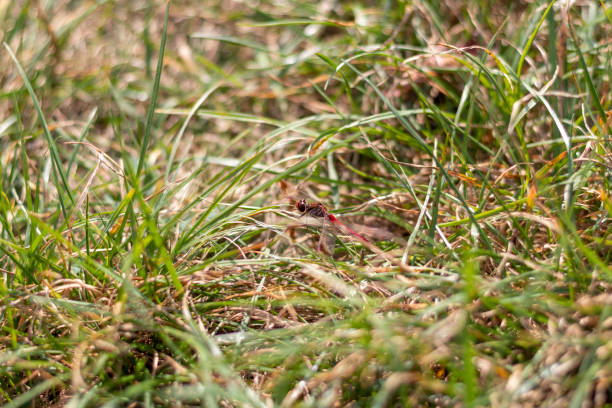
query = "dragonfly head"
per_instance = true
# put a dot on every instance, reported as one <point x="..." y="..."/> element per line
<point x="301" y="205"/>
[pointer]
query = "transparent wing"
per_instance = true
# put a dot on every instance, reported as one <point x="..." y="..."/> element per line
<point x="327" y="240"/>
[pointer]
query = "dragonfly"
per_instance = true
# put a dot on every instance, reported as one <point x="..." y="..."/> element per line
<point x="328" y="220"/>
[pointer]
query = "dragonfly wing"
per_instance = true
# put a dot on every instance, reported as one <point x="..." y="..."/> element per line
<point x="348" y="230"/>
<point x="327" y="240"/>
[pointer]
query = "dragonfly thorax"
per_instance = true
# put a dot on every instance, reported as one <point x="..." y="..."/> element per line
<point x="314" y="209"/>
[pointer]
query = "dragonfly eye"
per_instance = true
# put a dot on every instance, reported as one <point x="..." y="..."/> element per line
<point x="301" y="205"/>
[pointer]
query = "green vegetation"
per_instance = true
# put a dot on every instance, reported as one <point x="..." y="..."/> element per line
<point x="149" y="257"/>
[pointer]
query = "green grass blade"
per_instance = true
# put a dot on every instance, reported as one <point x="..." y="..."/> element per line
<point x="55" y="157"/>
<point x="160" y="65"/>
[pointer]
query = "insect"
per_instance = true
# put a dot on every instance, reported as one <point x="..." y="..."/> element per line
<point x="328" y="221"/>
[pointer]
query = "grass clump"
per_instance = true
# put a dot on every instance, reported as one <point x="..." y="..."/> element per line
<point x="149" y="256"/>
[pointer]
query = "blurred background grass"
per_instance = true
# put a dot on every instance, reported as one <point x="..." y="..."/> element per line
<point x="150" y="258"/>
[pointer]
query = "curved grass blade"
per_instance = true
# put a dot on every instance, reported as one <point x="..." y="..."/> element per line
<point x="158" y="71"/>
<point x="51" y="143"/>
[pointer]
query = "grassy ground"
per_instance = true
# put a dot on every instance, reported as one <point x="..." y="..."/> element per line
<point x="149" y="257"/>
